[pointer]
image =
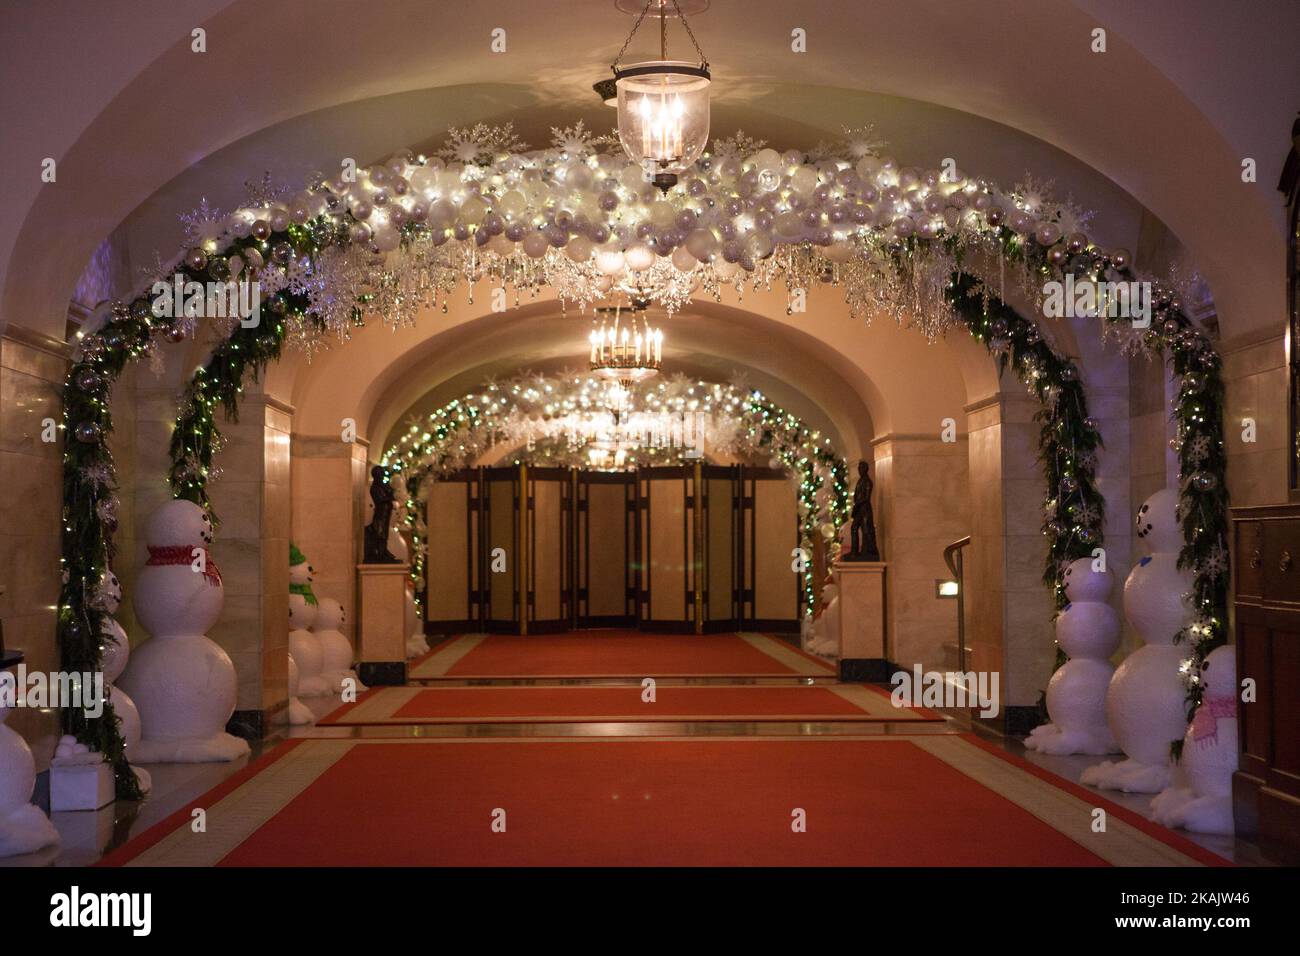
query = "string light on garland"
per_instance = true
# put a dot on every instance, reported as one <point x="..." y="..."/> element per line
<point x="746" y="423"/>
<point x="579" y="218"/>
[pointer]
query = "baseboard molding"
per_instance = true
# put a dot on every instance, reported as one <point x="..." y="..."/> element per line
<point x="866" y="670"/>
<point x="467" y="626"/>
<point x="248" y="724"/>
<point x="382" y="673"/>
<point x="1015" y="720"/>
<point x="606" y="620"/>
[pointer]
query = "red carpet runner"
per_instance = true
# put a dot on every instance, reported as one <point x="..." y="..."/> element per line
<point x="635" y="802"/>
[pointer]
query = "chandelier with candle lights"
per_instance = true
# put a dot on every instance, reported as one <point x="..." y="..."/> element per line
<point x="663" y="104"/>
<point x="624" y="346"/>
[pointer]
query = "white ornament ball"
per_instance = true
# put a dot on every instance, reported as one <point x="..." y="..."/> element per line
<point x="609" y="262"/>
<point x="108" y="593"/>
<point x="639" y="257"/>
<point x="536" y="244"/>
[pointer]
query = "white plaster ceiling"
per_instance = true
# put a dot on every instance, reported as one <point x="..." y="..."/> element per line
<point x="115" y="93"/>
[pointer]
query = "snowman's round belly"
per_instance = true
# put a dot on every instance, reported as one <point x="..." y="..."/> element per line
<point x="1154" y="598"/>
<point x="1145" y="703"/>
<point x="174" y="600"/>
<point x="1088" y="629"/>
<point x="17" y="771"/>
<point x="182" y="686"/>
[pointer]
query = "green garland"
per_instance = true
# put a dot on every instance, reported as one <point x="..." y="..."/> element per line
<point x="1068" y="439"/>
<point x="776" y="431"/>
<point x="89" y="518"/>
<point x="1198" y="410"/>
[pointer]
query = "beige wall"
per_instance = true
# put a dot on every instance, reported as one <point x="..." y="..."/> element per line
<point x="329" y="477"/>
<point x="922" y="502"/>
<point x="32" y="369"/>
<point x="1008" y="610"/>
<point x="251" y="499"/>
<point x="1254" y="373"/>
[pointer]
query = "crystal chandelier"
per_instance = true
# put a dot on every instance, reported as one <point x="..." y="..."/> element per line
<point x="663" y="104"/>
<point x="624" y="346"/>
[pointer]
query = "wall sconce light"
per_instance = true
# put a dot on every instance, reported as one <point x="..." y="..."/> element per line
<point x="945" y="589"/>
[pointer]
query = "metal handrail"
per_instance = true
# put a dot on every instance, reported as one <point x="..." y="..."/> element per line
<point x="952" y="557"/>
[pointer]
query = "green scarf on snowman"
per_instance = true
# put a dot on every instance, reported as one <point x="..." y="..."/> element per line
<point x="300" y="575"/>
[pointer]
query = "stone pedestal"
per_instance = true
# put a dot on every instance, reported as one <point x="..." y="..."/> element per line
<point x="862" y="621"/>
<point x="381" y="623"/>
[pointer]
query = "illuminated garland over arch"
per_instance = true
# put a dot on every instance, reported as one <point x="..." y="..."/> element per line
<point x="403" y="235"/>
<point x="745" y="421"/>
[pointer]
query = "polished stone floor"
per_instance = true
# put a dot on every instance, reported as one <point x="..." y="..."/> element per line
<point x="87" y="836"/>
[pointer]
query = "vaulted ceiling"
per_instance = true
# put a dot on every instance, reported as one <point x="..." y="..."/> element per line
<point x="1154" y="129"/>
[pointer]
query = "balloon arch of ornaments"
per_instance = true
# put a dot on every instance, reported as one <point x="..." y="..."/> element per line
<point x="552" y="415"/>
<point x="402" y="236"/>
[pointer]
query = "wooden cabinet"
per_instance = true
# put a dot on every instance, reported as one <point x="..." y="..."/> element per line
<point x="1266" y="788"/>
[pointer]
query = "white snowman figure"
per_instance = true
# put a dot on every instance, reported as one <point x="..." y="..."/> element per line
<point x="1201" y="800"/>
<point x="114" y="653"/>
<point x="1088" y="631"/>
<point x="1145" y="702"/>
<point x="299" y="713"/>
<point x="336" y="649"/>
<point x="306" y="651"/>
<point x="23" y="827"/>
<point x="416" y="642"/>
<point x="303" y="644"/>
<point x="301" y="596"/>
<point x="824" y="637"/>
<point x="182" y="682"/>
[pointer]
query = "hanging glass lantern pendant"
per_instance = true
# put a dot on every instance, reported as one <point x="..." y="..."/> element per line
<point x="663" y="105"/>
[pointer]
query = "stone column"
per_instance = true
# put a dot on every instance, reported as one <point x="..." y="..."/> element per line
<point x="1008" y="610"/>
<point x="32" y="369"/>
<point x="922" y="506"/>
<point x="329" y="481"/>
<point x="252" y="501"/>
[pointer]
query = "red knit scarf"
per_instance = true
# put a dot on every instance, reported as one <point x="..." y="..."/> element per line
<point x="183" y="554"/>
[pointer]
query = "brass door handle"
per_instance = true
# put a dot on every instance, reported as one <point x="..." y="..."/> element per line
<point x="1285" y="563"/>
<point x="1256" y="559"/>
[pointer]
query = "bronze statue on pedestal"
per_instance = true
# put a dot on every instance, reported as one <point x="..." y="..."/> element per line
<point x="862" y="532"/>
<point x="376" y="533"/>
